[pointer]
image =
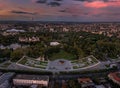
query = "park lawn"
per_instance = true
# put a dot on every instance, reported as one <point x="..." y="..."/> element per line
<point x="63" y="55"/>
<point x="5" y="65"/>
<point x="23" y="61"/>
<point x="74" y="61"/>
<point x="42" y="67"/>
<point x="75" y="67"/>
<point x="42" y="63"/>
<point x="94" y="59"/>
<point x="35" y="66"/>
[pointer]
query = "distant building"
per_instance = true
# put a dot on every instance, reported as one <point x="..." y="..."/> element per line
<point x="102" y="83"/>
<point x="65" y="30"/>
<point x="28" y="80"/>
<point x="86" y="83"/>
<point x="54" y="43"/>
<point x="41" y="58"/>
<point x="12" y="46"/>
<point x="29" y="39"/>
<point x="52" y="30"/>
<point x="2" y="47"/>
<point x="115" y="77"/>
<point x="14" y="30"/>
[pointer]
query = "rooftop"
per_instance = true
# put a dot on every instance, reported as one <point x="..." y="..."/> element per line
<point x="32" y="77"/>
<point x="115" y="76"/>
<point x="15" y="30"/>
<point x="84" y="80"/>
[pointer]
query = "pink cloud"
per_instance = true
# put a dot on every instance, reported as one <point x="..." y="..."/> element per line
<point x="2" y="5"/>
<point x="115" y="4"/>
<point x="96" y="4"/>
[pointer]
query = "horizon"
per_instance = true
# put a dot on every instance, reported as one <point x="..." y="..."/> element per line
<point x="52" y="21"/>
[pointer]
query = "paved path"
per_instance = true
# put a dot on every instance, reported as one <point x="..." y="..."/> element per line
<point x="59" y="65"/>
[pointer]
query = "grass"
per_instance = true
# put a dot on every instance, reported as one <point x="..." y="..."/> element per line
<point x="5" y="65"/>
<point x="93" y="59"/>
<point x="23" y="61"/>
<point x="75" y="67"/>
<point x="85" y="61"/>
<point x="36" y="64"/>
<point x="63" y="55"/>
<point x="41" y="63"/>
<point x="42" y="67"/>
<point x="74" y="61"/>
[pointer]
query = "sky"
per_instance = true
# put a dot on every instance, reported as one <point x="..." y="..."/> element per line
<point x="60" y="10"/>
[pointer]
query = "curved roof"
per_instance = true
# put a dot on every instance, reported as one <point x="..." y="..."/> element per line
<point x="115" y="76"/>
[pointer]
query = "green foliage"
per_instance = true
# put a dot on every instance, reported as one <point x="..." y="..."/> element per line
<point x="109" y="48"/>
<point x="62" y="55"/>
<point x="81" y="44"/>
<point x="7" y="40"/>
<point x="17" y="54"/>
<point x="5" y="53"/>
<point x="73" y="84"/>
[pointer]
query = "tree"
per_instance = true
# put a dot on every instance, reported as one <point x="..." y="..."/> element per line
<point x="17" y="54"/>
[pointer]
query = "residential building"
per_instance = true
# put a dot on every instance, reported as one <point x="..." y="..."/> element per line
<point x="28" y="80"/>
<point x="86" y="83"/>
<point x="115" y="77"/>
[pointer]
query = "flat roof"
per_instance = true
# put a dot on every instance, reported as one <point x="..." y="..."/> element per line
<point x="116" y="76"/>
<point x="32" y="77"/>
<point x="84" y="80"/>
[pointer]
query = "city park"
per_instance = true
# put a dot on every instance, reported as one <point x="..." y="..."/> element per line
<point x="58" y="64"/>
<point x="58" y="61"/>
<point x="68" y="52"/>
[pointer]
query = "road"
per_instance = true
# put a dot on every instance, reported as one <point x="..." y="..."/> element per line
<point x="60" y="78"/>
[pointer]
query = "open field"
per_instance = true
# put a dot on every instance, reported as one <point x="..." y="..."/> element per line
<point x="62" y="55"/>
<point x="5" y="64"/>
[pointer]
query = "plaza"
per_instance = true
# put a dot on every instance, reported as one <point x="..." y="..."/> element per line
<point x="60" y="65"/>
<point x="57" y="65"/>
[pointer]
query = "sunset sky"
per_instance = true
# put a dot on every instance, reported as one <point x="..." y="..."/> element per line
<point x="60" y="10"/>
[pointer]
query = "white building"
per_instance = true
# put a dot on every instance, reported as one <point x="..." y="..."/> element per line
<point x="28" y="80"/>
<point x="54" y="43"/>
<point x="14" y="30"/>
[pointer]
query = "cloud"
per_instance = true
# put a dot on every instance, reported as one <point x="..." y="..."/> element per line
<point x="1" y="5"/>
<point x="58" y="0"/>
<point x="83" y="0"/>
<point x="22" y="12"/>
<point x="98" y="0"/>
<point x="96" y="4"/>
<point x="54" y="4"/>
<point x="62" y="11"/>
<point x="41" y="1"/>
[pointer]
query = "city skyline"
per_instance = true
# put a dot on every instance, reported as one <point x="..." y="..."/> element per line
<point x="60" y="10"/>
